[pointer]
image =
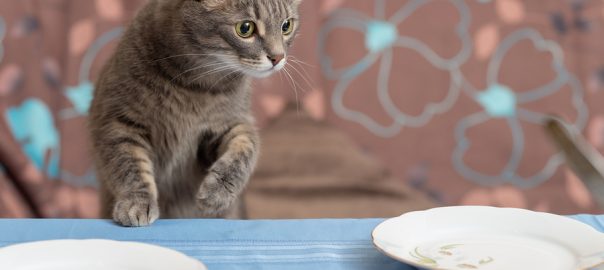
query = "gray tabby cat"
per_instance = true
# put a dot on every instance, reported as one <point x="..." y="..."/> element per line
<point x="171" y="126"/>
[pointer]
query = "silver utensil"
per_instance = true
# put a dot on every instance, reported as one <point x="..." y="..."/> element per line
<point x="581" y="156"/>
<point x="587" y="163"/>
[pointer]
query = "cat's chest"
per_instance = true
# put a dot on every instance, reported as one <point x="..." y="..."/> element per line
<point x="181" y="136"/>
<point x="180" y="133"/>
<point x="176" y="148"/>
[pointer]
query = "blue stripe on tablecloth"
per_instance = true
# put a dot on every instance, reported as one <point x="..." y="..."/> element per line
<point x="300" y="244"/>
<point x="238" y="245"/>
<point x="285" y="257"/>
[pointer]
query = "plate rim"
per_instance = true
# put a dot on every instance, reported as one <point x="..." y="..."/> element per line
<point x="177" y="254"/>
<point x="420" y="266"/>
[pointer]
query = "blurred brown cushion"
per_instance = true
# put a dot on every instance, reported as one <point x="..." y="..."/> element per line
<point x="309" y="169"/>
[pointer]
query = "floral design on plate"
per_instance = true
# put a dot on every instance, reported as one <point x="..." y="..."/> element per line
<point x="448" y="252"/>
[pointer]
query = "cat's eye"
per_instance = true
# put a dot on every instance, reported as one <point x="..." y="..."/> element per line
<point x="245" y="29"/>
<point x="288" y="26"/>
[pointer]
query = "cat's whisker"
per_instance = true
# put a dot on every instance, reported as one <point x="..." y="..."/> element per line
<point x="281" y="77"/>
<point x="298" y="59"/>
<point x="207" y="73"/>
<point x="250" y="61"/>
<point x="304" y="71"/>
<point x="223" y="77"/>
<point x="293" y="83"/>
<point x="191" y="54"/>
<point x="225" y="67"/>
<point x="210" y="65"/>
<point x="214" y="71"/>
<point x="304" y="77"/>
<point x="218" y="70"/>
<point x="301" y="63"/>
<point x="221" y="65"/>
<point x="295" y="59"/>
<point x="197" y="68"/>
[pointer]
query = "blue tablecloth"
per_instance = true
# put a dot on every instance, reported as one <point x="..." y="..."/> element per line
<point x="221" y="244"/>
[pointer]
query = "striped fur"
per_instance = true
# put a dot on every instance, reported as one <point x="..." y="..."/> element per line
<point x="172" y="132"/>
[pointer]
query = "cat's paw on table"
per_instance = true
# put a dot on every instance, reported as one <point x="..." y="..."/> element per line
<point x="136" y="211"/>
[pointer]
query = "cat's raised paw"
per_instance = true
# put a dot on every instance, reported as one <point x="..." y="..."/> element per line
<point x="215" y="195"/>
<point x="135" y="211"/>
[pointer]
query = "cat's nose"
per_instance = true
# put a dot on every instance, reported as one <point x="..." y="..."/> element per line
<point x="276" y="59"/>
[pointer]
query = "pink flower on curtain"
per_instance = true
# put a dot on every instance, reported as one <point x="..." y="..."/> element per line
<point x="2" y="34"/>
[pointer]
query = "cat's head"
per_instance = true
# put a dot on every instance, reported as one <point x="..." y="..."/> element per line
<point x="250" y="36"/>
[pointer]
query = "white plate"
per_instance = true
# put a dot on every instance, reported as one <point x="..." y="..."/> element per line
<point x="93" y="255"/>
<point x="476" y="237"/>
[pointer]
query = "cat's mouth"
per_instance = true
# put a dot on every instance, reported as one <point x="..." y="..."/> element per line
<point x="261" y="69"/>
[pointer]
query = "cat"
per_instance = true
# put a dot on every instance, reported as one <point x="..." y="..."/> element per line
<point x="170" y="122"/>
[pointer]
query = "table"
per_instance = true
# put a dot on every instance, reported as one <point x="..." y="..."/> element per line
<point x="225" y="244"/>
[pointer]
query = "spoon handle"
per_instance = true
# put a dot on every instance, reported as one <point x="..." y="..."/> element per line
<point x="581" y="157"/>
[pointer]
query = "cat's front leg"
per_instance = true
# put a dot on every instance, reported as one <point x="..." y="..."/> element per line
<point x="228" y="176"/>
<point x="127" y="173"/>
<point x="136" y="194"/>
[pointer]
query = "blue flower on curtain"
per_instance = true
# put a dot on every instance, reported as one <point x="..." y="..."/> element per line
<point x="32" y="124"/>
<point x="81" y="95"/>
<point x="500" y="101"/>
<point x="381" y="37"/>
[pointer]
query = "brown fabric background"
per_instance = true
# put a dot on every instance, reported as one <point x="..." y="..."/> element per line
<point x="44" y="96"/>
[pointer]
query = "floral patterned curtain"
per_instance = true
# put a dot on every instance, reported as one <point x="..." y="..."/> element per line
<point x="448" y="94"/>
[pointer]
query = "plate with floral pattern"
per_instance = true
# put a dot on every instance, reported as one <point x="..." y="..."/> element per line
<point x="490" y="238"/>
